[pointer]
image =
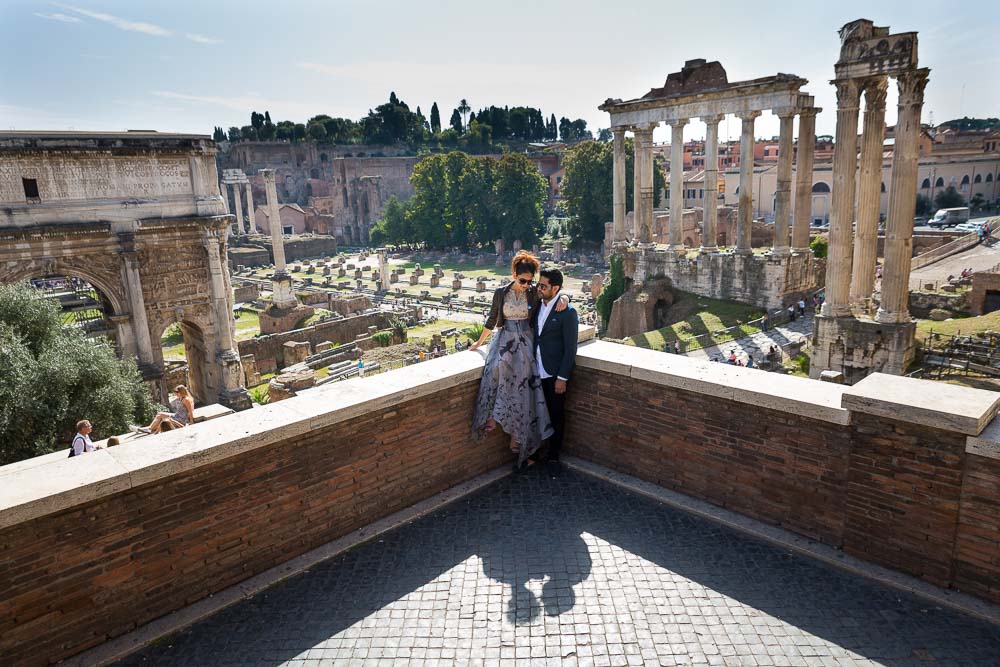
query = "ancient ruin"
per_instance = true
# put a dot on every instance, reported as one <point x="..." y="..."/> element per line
<point x="139" y="216"/>
<point x="847" y="338"/>
<point x="701" y="89"/>
<point x="234" y="180"/>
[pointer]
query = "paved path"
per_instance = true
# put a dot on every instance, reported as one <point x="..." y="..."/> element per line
<point x="575" y="571"/>
<point x="758" y="344"/>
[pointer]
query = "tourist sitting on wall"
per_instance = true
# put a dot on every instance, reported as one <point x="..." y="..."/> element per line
<point x="81" y="441"/>
<point x="183" y="409"/>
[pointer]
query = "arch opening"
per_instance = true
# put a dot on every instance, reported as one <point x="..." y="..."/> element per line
<point x="184" y="351"/>
<point x="83" y="305"/>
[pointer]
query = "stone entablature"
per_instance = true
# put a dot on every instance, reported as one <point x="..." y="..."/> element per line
<point x="117" y="177"/>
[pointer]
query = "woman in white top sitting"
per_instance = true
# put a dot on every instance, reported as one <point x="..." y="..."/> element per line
<point x="182" y="415"/>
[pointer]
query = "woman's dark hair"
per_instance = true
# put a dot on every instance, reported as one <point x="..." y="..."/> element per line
<point x="555" y="276"/>
<point x="524" y="262"/>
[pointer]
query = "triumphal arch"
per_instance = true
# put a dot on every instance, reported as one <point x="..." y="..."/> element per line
<point x="139" y="216"/>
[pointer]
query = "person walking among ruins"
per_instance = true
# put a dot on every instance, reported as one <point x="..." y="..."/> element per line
<point x="183" y="411"/>
<point x="556" y="335"/>
<point x="510" y="392"/>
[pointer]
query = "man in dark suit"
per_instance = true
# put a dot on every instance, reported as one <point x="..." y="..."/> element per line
<point x="555" y="354"/>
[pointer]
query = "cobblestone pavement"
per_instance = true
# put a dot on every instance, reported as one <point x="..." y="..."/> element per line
<point x="781" y="336"/>
<point x="575" y="571"/>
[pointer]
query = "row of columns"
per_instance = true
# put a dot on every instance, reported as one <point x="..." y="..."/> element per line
<point x="643" y="183"/>
<point x="852" y="253"/>
<point x="235" y="189"/>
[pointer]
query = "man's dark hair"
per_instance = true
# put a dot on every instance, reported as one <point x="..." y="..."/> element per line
<point x="555" y="276"/>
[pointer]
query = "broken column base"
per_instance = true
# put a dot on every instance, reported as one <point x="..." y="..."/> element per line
<point x="275" y="319"/>
<point x="857" y="347"/>
<point x="289" y="382"/>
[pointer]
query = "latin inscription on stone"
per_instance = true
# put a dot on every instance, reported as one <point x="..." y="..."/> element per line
<point x="61" y="179"/>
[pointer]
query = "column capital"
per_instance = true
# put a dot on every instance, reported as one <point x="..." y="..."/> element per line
<point x="646" y="128"/>
<point x="619" y="132"/>
<point x="875" y="89"/>
<point x="848" y="94"/>
<point x="911" y="86"/>
<point x="679" y="123"/>
<point x="809" y="112"/>
<point x="712" y="119"/>
<point x="747" y="116"/>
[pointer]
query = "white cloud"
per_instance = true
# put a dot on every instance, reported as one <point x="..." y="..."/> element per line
<point x="244" y="104"/>
<point x="120" y="23"/>
<point x="202" y="39"/>
<point x="65" y="18"/>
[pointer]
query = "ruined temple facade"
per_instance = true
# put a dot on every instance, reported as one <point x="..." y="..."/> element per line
<point x="140" y="217"/>
<point x="655" y="247"/>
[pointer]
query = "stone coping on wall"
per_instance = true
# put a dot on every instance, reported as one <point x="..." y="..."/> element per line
<point x="936" y="404"/>
<point x="28" y="492"/>
<point x="787" y="393"/>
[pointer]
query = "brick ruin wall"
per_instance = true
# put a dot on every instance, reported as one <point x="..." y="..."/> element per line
<point x="268" y="350"/>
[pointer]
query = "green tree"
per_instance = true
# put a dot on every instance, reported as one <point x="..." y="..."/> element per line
<point x="429" y="204"/>
<point x="456" y="218"/>
<point x="604" y="135"/>
<point x="316" y="131"/>
<point x="478" y="192"/>
<point x="588" y="191"/>
<point x="977" y="201"/>
<point x="51" y="376"/>
<point x="435" y="119"/>
<point x="218" y="134"/>
<point x="520" y="196"/>
<point x="949" y="198"/>
<point x="819" y="246"/>
<point x="612" y="289"/>
<point x="464" y="109"/>
<point x="924" y="205"/>
<point x="234" y="134"/>
<point x="456" y="121"/>
<point x="393" y="226"/>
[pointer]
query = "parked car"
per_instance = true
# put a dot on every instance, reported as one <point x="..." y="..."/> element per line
<point x="968" y="227"/>
<point x="920" y="222"/>
<point x="950" y="217"/>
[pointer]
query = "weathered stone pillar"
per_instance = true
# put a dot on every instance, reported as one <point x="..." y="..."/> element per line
<point x="869" y="194"/>
<point x="644" y="147"/>
<point x="282" y="284"/>
<point x="232" y="392"/>
<point x="711" y="221"/>
<point x="803" y="180"/>
<point x="238" y="197"/>
<point x="902" y="199"/>
<point x="845" y="163"/>
<point x="619" y="184"/>
<point x="383" y="270"/>
<point x="136" y="301"/>
<point x="744" y="220"/>
<point x="636" y="188"/>
<point x="783" y="192"/>
<point x="251" y="223"/>
<point x="676" y="231"/>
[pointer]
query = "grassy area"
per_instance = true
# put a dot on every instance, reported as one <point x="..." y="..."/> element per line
<point x="427" y="331"/>
<point x="964" y="325"/>
<point x="468" y="268"/>
<point x="698" y="321"/>
<point x="248" y="325"/>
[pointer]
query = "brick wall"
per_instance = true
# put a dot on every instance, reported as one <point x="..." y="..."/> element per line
<point x="900" y="494"/>
<point x="777" y="467"/>
<point x="74" y="579"/>
<point x="982" y="282"/>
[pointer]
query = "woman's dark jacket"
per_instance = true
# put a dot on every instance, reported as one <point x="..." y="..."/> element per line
<point x="495" y="318"/>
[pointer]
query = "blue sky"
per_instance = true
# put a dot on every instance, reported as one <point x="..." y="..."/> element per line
<point x="188" y="65"/>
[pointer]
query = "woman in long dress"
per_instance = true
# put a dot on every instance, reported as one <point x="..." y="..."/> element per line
<point x="510" y="393"/>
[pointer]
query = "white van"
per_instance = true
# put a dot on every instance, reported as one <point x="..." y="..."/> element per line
<point x="949" y="217"/>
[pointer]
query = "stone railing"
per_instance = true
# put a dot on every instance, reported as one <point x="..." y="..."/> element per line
<point x="897" y="471"/>
<point x="946" y="250"/>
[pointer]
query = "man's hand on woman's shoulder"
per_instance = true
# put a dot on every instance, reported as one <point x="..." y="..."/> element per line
<point x="562" y="303"/>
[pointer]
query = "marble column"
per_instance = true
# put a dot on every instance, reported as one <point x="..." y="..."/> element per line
<point x="902" y="200"/>
<point x="619" y="185"/>
<point x="238" y="197"/>
<point x="282" y="284"/>
<point x="803" y="180"/>
<point x="783" y="192"/>
<point x="710" y="228"/>
<point x="636" y="189"/>
<point x="744" y="220"/>
<point x="251" y="223"/>
<point x="231" y="392"/>
<point x="845" y="164"/>
<point x="869" y="194"/>
<point x="644" y="147"/>
<point x="675" y="238"/>
<point x="136" y="301"/>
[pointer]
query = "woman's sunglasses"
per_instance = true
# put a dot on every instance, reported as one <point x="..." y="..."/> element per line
<point x="525" y="281"/>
